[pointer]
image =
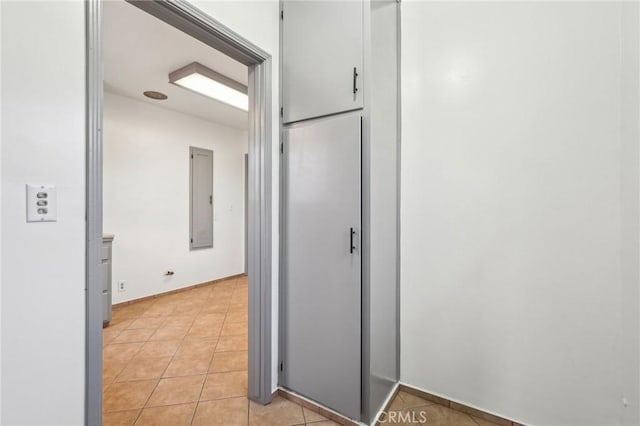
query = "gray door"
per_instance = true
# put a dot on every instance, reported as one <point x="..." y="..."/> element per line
<point x="322" y="318"/>
<point x="201" y="198"/>
<point x="322" y="48"/>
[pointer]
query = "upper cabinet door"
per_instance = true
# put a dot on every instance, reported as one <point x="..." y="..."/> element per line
<point x="322" y="56"/>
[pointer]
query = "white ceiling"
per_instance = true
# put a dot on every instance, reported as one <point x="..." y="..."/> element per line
<point x="140" y="51"/>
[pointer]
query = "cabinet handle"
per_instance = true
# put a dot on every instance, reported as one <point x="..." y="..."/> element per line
<point x="355" y="80"/>
<point x="352" y="232"/>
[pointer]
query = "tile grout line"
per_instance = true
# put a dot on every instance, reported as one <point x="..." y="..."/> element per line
<point x="224" y="320"/>
<point x="165" y="318"/>
<point x="206" y="376"/>
<point x="159" y="379"/>
<point x="115" y="379"/>
<point x="134" y="355"/>
<point x="195" y="410"/>
<point x="248" y="402"/>
<point x="474" y="420"/>
<point x="179" y="291"/>
<point x="248" y="411"/>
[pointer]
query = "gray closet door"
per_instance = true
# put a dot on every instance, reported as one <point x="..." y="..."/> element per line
<point x="322" y="44"/>
<point x="201" y="198"/>
<point x="322" y="321"/>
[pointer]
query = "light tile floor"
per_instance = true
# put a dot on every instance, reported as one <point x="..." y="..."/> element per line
<point x="181" y="359"/>
<point x="407" y="409"/>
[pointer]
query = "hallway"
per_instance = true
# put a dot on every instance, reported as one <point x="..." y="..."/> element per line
<point x="181" y="359"/>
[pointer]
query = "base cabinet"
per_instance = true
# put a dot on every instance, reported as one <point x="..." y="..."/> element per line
<point x="107" y="244"/>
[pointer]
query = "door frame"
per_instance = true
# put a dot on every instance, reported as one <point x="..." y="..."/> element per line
<point x="187" y="18"/>
<point x="245" y="188"/>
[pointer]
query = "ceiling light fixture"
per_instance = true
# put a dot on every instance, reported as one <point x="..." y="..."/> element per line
<point x="200" y="79"/>
<point x="155" y="95"/>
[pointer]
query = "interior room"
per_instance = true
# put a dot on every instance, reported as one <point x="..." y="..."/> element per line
<point x="174" y="221"/>
<point x="416" y="213"/>
<point x="147" y="159"/>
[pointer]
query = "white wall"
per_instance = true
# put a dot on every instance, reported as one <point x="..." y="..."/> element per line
<point x="146" y="197"/>
<point x="43" y="141"/>
<point x="511" y="208"/>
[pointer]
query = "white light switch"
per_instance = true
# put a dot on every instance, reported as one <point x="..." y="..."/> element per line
<point x="41" y="203"/>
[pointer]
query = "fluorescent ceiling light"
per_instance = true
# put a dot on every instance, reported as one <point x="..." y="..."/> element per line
<point x="202" y="80"/>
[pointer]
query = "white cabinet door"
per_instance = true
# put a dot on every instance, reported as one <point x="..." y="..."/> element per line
<point x="322" y="56"/>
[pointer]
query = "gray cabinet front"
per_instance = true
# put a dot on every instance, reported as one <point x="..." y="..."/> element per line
<point x="323" y="287"/>
<point x="107" y="243"/>
<point x="322" y="57"/>
<point x="201" y="198"/>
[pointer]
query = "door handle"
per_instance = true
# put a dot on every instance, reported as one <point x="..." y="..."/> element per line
<point x="355" y="80"/>
<point x="351" y="234"/>
<point x="211" y="199"/>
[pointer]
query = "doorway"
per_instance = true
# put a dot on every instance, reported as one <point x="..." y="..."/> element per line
<point x="207" y="30"/>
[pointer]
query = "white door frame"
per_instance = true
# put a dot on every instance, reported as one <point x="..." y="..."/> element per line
<point x="184" y="16"/>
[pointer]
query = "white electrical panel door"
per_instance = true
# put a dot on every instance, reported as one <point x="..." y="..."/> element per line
<point x="201" y="198"/>
<point x="322" y="57"/>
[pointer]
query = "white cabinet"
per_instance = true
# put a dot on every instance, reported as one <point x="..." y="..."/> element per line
<point x="322" y="57"/>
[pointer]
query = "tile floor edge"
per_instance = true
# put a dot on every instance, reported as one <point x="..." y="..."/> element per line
<point x="317" y="408"/>
<point x="457" y="406"/>
<point x="387" y="404"/>
<point x="178" y="290"/>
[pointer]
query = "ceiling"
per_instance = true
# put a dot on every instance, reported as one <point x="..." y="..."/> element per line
<point x="139" y="53"/>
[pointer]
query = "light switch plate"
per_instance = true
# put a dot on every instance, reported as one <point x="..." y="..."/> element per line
<point x="41" y="203"/>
